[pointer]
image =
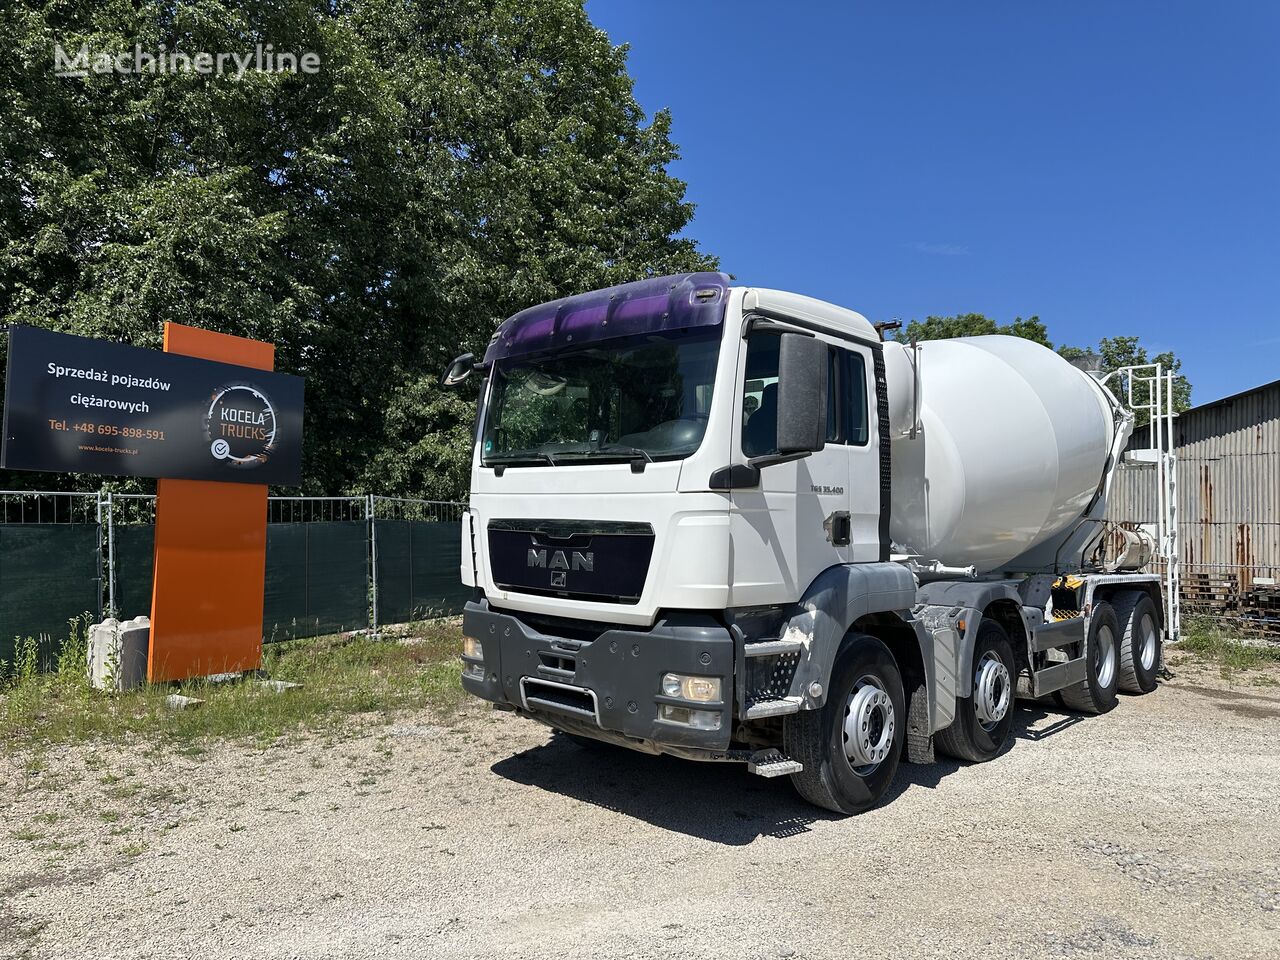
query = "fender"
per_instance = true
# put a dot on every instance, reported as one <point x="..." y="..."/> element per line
<point x="837" y="598"/>
<point x="973" y="597"/>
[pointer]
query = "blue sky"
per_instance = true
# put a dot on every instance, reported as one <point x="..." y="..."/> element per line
<point x="1112" y="167"/>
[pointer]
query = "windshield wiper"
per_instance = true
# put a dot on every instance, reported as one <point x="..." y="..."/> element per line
<point x="501" y="463"/>
<point x="638" y="457"/>
<point x="635" y="452"/>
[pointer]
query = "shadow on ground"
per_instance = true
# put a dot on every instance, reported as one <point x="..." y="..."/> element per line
<point x="720" y="802"/>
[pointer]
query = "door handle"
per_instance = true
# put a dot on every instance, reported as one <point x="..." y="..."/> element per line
<point x="839" y="528"/>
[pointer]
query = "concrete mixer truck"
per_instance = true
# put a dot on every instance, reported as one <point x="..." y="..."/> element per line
<point x="733" y="524"/>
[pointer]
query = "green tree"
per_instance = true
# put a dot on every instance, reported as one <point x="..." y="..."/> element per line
<point x="1114" y="353"/>
<point x="450" y="163"/>
<point x="521" y="117"/>
<point x="972" y="325"/>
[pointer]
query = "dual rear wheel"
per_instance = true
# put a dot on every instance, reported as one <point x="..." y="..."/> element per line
<point x="1123" y="653"/>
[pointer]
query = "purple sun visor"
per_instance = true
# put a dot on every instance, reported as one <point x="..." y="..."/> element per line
<point x="645" y="306"/>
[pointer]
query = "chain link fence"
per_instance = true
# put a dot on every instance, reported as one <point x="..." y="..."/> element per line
<point x="333" y="563"/>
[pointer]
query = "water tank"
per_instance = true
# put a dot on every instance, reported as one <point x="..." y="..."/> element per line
<point x="1011" y="448"/>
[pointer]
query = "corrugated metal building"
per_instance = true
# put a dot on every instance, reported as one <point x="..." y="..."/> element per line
<point x="1228" y="504"/>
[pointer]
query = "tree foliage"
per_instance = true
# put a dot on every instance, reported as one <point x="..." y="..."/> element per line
<point x="1114" y="353"/>
<point x="972" y="325"/>
<point x="451" y="162"/>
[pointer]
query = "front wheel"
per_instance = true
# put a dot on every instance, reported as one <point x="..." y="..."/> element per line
<point x="850" y="748"/>
<point x="984" y="718"/>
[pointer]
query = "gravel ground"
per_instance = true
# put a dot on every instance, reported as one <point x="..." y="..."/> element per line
<point x="1151" y="832"/>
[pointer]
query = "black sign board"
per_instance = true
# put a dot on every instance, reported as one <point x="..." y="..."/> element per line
<point x="77" y="405"/>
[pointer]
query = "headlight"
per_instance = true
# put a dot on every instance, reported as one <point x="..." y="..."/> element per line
<point x="702" y="689"/>
<point x="698" y="719"/>
<point x="472" y="648"/>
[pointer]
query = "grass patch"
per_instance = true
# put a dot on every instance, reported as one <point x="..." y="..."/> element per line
<point x="340" y="676"/>
<point x="1207" y="639"/>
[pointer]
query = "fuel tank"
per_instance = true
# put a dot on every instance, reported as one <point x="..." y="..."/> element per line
<point x="1011" y="446"/>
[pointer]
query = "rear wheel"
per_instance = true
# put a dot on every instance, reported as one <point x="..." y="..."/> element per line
<point x="1139" y="642"/>
<point x="850" y="748"/>
<point x="1096" y="693"/>
<point x="983" y="719"/>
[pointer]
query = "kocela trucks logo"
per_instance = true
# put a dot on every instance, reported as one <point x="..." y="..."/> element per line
<point x="241" y="426"/>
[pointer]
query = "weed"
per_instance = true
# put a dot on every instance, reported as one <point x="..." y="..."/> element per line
<point x="340" y="676"/>
<point x="1206" y="638"/>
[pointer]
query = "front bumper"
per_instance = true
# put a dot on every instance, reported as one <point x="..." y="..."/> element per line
<point x="606" y="684"/>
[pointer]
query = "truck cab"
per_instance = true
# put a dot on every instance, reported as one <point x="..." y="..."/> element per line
<point x="678" y="535"/>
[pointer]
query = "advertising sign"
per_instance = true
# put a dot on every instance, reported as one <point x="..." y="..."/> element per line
<point x="78" y="405"/>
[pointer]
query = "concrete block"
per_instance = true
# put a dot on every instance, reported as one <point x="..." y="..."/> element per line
<point x="176" y="701"/>
<point x="279" y="686"/>
<point x="118" y="653"/>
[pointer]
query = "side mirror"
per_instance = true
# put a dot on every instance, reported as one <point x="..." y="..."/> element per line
<point x="802" y="394"/>
<point x="458" y="371"/>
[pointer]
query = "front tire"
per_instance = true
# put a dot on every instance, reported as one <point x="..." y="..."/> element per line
<point x="1139" y="642"/>
<point x="850" y="748"/>
<point x="984" y="718"/>
<point x="1096" y="693"/>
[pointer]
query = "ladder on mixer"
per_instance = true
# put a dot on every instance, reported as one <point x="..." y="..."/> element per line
<point x="1158" y="404"/>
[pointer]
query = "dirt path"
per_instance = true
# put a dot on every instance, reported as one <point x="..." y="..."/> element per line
<point x="1152" y="832"/>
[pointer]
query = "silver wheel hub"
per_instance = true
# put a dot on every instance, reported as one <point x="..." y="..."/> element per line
<point x="992" y="691"/>
<point x="1147" y="653"/>
<point x="1105" y="657"/>
<point x="868" y="726"/>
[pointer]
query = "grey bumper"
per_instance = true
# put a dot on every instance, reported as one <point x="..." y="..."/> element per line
<point x="621" y="671"/>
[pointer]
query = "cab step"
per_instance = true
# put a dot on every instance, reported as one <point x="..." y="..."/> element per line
<point x="773" y="708"/>
<point x="772" y="763"/>
<point x="771" y="648"/>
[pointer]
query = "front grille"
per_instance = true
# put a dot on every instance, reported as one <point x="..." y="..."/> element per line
<point x="560" y="666"/>
<point x="605" y="561"/>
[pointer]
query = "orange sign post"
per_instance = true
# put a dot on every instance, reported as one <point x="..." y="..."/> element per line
<point x="210" y="549"/>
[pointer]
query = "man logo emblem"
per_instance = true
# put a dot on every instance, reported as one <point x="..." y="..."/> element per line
<point x="557" y="578"/>
<point x="561" y="560"/>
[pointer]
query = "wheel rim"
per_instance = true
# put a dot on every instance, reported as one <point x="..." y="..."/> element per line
<point x="1147" y="630"/>
<point x="1104" y="657"/>
<point x="868" y="726"/>
<point x="991" y="691"/>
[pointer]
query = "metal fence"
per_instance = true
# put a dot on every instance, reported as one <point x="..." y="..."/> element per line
<point x="333" y="563"/>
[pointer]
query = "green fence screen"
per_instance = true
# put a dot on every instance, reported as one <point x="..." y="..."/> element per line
<point x="134" y="550"/>
<point x="49" y="573"/>
<point x="317" y="579"/>
<point x="418" y="570"/>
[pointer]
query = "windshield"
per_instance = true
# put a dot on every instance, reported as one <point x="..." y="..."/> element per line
<point x="644" y="397"/>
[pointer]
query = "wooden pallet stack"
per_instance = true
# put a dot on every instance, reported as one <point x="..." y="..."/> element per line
<point x="1211" y="592"/>
<point x="1260" y="604"/>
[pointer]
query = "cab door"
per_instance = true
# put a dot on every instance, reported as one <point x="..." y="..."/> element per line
<point x="862" y="448"/>
<point x="797" y="522"/>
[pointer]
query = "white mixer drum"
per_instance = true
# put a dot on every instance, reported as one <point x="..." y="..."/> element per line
<point x="1012" y="448"/>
